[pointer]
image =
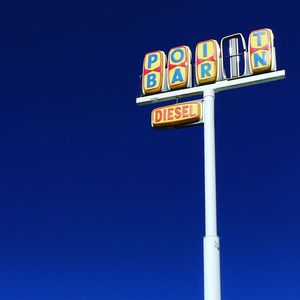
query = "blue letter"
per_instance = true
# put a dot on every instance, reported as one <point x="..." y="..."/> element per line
<point x="180" y="57"/>
<point x="152" y="58"/>
<point x="205" y="68"/>
<point x="205" y="50"/>
<point x="258" y="35"/>
<point x="177" y="76"/>
<point x="258" y="59"/>
<point x="151" y="80"/>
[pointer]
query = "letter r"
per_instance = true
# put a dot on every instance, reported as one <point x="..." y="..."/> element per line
<point x="205" y="68"/>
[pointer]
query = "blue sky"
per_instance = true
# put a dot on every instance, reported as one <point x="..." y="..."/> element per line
<point x="95" y="204"/>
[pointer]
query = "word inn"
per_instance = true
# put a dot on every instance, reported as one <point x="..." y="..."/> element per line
<point x="161" y="74"/>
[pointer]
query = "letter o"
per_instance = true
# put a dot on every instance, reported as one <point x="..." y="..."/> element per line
<point x="181" y="55"/>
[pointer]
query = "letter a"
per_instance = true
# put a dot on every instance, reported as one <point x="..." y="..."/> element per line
<point x="177" y="76"/>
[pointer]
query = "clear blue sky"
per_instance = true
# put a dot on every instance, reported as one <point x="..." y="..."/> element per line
<point x="95" y="204"/>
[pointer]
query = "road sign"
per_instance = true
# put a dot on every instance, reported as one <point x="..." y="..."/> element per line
<point x="158" y="84"/>
<point x="207" y="62"/>
<point x="261" y="48"/>
<point x="153" y="78"/>
<point x="179" y="68"/>
<point x="180" y="114"/>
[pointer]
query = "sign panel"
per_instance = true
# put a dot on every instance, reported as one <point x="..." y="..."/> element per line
<point x="173" y="77"/>
<point x="207" y="62"/>
<point x="153" y="72"/>
<point x="177" y="114"/>
<point x="179" y="68"/>
<point x="260" y="49"/>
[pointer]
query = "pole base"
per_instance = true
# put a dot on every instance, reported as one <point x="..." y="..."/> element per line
<point x="212" y="281"/>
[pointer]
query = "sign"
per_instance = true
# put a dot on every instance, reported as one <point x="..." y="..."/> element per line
<point x="211" y="63"/>
<point x="179" y="68"/>
<point x="153" y="72"/>
<point x="207" y="62"/>
<point x="177" y="114"/>
<point x="260" y="50"/>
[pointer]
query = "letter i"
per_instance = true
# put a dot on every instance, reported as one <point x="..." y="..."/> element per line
<point x="205" y="50"/>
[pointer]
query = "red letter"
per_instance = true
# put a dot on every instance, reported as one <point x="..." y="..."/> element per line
<point x="164" y="112"/>
<point x="158" y="116"/>
<point x="185" y="111"/>
<point x="170" y="113"/>
<point x="177" y="112"/>
<point x="192" y="113"/>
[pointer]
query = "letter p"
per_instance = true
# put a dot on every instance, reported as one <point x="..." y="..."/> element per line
<point x="152" y="58"/>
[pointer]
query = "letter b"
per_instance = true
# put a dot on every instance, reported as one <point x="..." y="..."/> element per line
<point x="151" y="80"/>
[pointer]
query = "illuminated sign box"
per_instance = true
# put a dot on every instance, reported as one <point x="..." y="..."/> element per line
<point x="179" y="68"/>
<point x="153" y="72"/>
<point x="261" y="51"/>
<point x="209" y="63"/>
<point x="180" y="114"/>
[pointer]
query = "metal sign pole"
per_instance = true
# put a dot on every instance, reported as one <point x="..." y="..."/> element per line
<point x="211" y="248"/>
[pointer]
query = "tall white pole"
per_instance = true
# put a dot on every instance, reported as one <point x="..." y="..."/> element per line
<point x="211" y="248"/>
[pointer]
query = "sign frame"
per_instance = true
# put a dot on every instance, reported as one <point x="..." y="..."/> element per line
<point x="217" y="87"/>
<point x="180" y="125"/>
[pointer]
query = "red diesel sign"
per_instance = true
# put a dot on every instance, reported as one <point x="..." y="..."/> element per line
<point x="177" y="114"/>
